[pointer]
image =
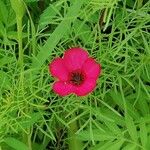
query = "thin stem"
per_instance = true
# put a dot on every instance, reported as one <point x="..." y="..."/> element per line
<point x="74" y="142"/>
<point x="19" y="28"/>
<point x="29" y="141"/>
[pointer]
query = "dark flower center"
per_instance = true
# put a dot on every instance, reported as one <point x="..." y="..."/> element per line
<point x="77" y="77"/>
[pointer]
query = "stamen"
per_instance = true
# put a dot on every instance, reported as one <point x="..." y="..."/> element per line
<point x="77" y="77"/>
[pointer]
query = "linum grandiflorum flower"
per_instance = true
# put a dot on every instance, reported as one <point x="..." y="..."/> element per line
<point x="76" y="73"/>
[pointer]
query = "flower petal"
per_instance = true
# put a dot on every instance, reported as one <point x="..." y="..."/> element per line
<point x="63" y="88"/>
<point x="74" y="58"/>
<point x="91" y="68"/>
<point x="58" y="69"/>
<point x="87" y="87"/>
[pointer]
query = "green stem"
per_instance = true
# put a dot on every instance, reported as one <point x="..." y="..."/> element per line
<point x="29" y="142"/>
<point x="74" y="142"/>
<point x="139" y="3"/>
<point x="19" y="28"/>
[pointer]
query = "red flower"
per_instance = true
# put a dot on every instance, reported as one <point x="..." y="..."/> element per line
<point x="76" y="71"/>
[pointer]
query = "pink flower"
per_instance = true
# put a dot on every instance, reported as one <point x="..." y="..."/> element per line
<point x="76" y="73"/>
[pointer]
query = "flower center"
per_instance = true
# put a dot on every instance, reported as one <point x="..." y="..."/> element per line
<point x="76" y="77"/>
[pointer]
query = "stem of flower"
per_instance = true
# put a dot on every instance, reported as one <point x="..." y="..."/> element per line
<point x="74" y="142"/>
<point x="19" y="9"/>
<point x="19" y="28"/>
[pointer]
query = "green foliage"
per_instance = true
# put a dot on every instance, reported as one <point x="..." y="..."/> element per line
<point x="49" y="15"/>
<point x="46" y="50"/>
<point x="15" y="144"/>
<point x="116" y="116"/>
<point x="18" y="7"/>
<point x="30" y="1"/>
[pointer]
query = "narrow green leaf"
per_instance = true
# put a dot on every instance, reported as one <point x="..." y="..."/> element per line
<point x="113" y="127"/>
<point x="97" y="135"/>
<point x="131" y="127"/>
<point x="116" y="145"/>
<point x="117" y="98"/>
<point x="3" y="12"/>
<point x="15" y="144"/>
<point x="101" y="115"/>
<point x="143" y="134"/>
<point x="109" y="145"/>
<point x="147" y="143"/>
<point x="142" y="102"/>
<point x="102" y="145"/>
<point x="48" y="15"/>
<point x="130" y="147"/>
<point x="117" y="119"/>
<point x="31" y="1"/>
<point x="145" y="42"/>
